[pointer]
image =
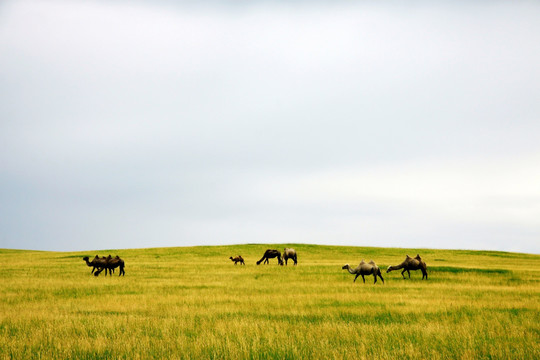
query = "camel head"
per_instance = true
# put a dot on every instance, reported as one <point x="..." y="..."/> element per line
<point x="390" y="268"/>
<point x="86" y="258"/>
<point x="346" y="266"/>
<point x="231" y="258"/>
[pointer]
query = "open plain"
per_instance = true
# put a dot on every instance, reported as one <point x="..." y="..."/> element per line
<point x="194" y="303"/>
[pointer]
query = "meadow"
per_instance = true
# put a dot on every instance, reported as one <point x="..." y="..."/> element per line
<point x="194" y="303"/>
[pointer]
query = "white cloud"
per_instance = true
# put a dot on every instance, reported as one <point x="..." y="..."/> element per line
<point x="344" y="123"/>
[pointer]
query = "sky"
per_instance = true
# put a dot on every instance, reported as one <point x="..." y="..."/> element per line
<point x="158" y="123"/>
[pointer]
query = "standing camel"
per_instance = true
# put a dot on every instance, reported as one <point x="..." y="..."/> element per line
<point x="410" y="263"/>
<point x="238" y="259"/>
<point x="92" y="264"/>
<point x="97" y="263"/>
<point x="289" y="254"/>
<point x="270" y="254"/>
<point x="365" y="269"/>
<point x="106" y="263"/>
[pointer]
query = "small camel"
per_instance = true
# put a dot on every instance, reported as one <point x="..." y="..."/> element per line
<point x="410" y="263"/>
<point x="238" y="259"/>
<point x="365" y="269"/>
<point x="270" y="254"/>
<point x="289" y="254"/>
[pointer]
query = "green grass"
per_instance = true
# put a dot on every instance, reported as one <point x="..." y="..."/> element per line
<point x="193" y="303"/>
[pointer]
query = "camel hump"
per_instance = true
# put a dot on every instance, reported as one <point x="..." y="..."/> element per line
<point x="372" y="262"/>
<point x="408" y="257"/>
<point x="418" y="257"/>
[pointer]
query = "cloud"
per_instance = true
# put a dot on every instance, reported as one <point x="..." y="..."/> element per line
<point x="131" y="125"/>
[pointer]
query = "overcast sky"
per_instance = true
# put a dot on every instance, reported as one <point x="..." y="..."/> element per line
<point x="150" y="123"/>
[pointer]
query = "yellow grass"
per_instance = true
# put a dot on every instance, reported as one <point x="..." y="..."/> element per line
<point x="193" y="303"/>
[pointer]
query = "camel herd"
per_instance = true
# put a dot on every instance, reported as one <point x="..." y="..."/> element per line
<point x="362" y="269"/>
<point x="272" y="253"/>
<point x="109" y="263"/>
<point x="371" y="268"/>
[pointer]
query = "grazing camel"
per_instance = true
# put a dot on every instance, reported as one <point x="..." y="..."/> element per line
<point x="410" y="264"/>
<point x="289" y="254"/>
<point x="238" y="259"/>
<point x="269" y="254"/>
<point x="365" y="269"/>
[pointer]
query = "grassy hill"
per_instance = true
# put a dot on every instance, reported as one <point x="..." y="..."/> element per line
<point x="193" y="303"/>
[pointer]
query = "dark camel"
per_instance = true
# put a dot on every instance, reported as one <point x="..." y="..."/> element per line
<point x="109" y="263"/>
<point x="98" y="263"/>
<point x="289" y="254"/>
<point x="365" y="269"/>
<point x="238" y="259"/>
<point x="410" y="263"/>
<point x="92" y="264"/>
<point x="270" y="254"/>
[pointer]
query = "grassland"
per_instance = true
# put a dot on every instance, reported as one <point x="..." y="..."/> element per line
<point x="193" y="303"/>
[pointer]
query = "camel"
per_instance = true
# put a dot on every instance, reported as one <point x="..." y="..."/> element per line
<point x="98" y="263"/>
<point x="106" y="263"/>
<point x="117" y="263"/>
<point x="94" y="267"/>
<point x="269" y="254"/>
<point x="289" y="254"/>
<point x="238" y="259"/>
<point x="411" y="264"/>
<point x="365" y="269"/>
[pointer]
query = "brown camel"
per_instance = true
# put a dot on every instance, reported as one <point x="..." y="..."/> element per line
<point x="289" y="254"/>
<point x="410" y="263"/>
<point x="270" y="254"/>
<point x="106" y="263"/>
<point x="238" y="259"/>
<point x="94" y="267"/>
<point x="365" y="269"/>
<point x="98" y="263"/>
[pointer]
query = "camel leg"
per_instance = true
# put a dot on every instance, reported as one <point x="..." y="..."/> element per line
<point x="357" y="275"/>
<point x="363" y="278"/>
<point x="295" y="261"/>
<point x="375" y="278"/>
<point x="403" y="272"/>
<point x="408" y="272"/>
<point x="381" y="277"/>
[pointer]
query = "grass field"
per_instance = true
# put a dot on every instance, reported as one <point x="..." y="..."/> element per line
<point x="193" y="303"/>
